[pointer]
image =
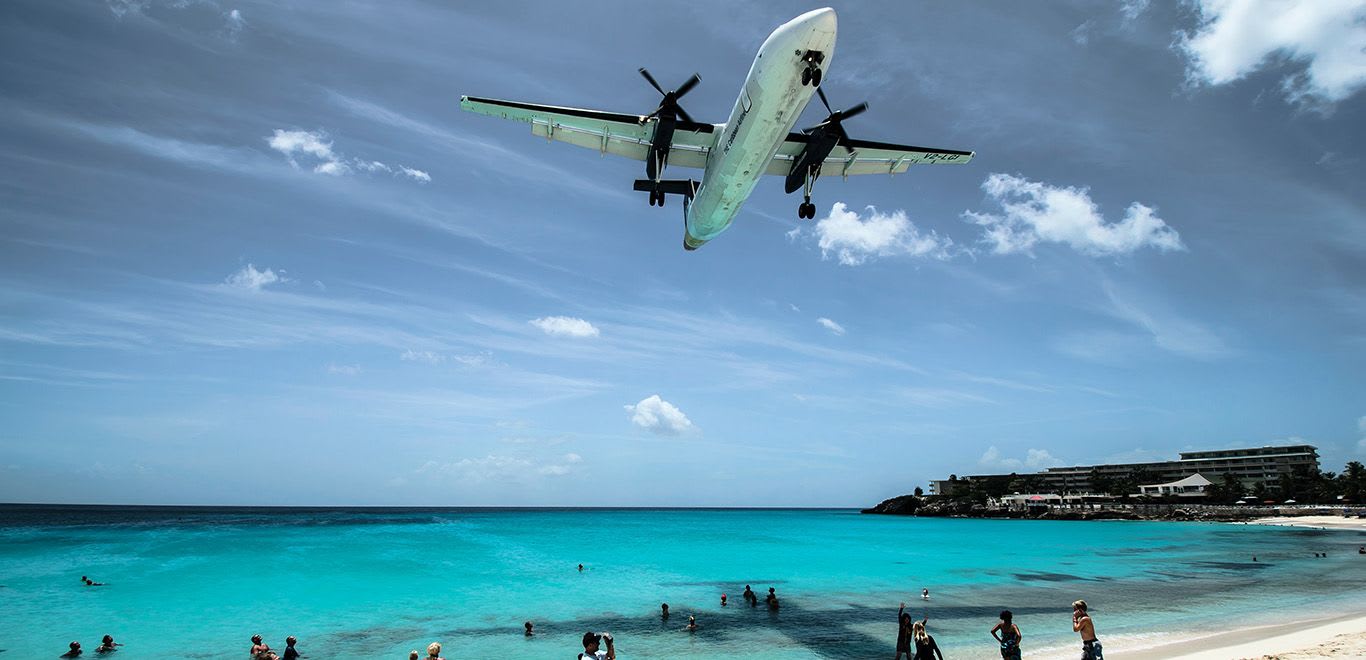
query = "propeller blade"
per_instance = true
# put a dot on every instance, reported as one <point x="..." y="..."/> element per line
<point x="856" y="110"/>
<point x="821" y="92"/>
<point x="651" y="79"/>
<point x="687" y="86"/>
<point x="683" y="113"/>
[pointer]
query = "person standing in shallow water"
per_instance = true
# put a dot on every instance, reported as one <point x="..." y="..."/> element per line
<point x="290" y="652"/>
<point x="903" y="633"/>
<point x="1009" y="636"/>
<point x="75" y="651"/>
<point x="925" y="646"/>
<point x="749" y="597"/>
<point x="1082" y="623"/>
<point x="664" y="611"/>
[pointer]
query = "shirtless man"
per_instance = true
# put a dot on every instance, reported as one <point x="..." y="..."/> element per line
<point x="1082" y="623"/>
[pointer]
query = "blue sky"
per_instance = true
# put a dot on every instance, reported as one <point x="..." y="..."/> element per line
<point x="254" y="253"/>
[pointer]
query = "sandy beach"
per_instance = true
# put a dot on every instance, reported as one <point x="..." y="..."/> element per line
<point x="1318" y="522"/>
<point x="1339" y="637"/>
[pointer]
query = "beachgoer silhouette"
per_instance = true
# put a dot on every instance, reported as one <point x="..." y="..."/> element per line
<point x="108" y="645"/>
<point x="924" y="594"/>
<point x="925" y="646"/>
<point x="290" y="652"/>
<point x="528" y="632"/>
<point x="580" y="568"/>
<point x="692" y="623"/>
<point x="723" y="600"/>
<point x="664" y="610"/>
<point x="903" y="633"/>
<point x="75" y="651"/>
<point x="591" y="643"/>
<point x="1009" y="637"/>
<point x="1082" y="623"/>
<point x="750" y="597"/>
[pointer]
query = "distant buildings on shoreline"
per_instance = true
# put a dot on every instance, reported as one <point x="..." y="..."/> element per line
<point x="1264" y="466"/>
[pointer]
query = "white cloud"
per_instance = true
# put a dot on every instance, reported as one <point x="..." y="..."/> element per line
<point x="501" y="467"/>
<point x="1034" y="212"/>
<point x="416" y="175"/>
<point x="831" y="325"/>
<point x="658" y="416"/>
<point x="565" y="326"/>
<point x="1035" y="459"/>
<point x="854" y="239"/>
<point x="1237" y="37"/>
<point x="233" y="23"/>
<point x="1132" y="9"/>
<point x="429" y="357"/>
<point x="296" y="145"/>
<point x="344" y="369"/>
<point x="254" y="280"/>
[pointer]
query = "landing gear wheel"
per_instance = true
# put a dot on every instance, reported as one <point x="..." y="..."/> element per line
<point x="806" y="77"/>
<point x="815" y="77"/>
<point x="806" y="210"/>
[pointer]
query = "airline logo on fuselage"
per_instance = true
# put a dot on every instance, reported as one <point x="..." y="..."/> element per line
<point x="735" y="131"/>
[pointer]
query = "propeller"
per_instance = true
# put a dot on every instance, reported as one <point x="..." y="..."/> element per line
<point x="669" y="106"/>
<point x="832" y="122"/>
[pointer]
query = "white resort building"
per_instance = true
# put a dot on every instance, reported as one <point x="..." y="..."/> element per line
<point x="1192" y="486"/>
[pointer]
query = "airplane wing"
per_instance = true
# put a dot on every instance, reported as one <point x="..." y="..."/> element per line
<point x="608" y="132"/>
<point x="867" y="157"/>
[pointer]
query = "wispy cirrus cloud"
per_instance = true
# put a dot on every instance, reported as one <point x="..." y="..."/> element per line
<point x="1236" y="38"/>
<point x="315" y="148"/>
<point x="1035" y="459"/>
<point x="1034" y="212"/>
<point x="565" y="326"/>
<point x="830" y="325"/>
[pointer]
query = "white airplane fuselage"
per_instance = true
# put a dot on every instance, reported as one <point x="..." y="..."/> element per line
<point x="766" y="110"/>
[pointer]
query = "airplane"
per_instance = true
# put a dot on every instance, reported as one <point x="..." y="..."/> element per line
<point x="756" y="140"/>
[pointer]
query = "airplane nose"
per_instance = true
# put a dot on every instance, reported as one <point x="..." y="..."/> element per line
<point x="822" y="19"/>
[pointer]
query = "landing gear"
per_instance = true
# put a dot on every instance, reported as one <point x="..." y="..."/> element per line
<point x="811" y="75"/>
<point x="656" y="198"/>
<point x="806" y="210"/>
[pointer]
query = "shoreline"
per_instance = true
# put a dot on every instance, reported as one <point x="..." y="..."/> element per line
<point x="1313" y="522"/>
<point x="1319" y="637"/>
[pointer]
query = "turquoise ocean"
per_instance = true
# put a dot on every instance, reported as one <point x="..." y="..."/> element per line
<point x="187" y="582"/>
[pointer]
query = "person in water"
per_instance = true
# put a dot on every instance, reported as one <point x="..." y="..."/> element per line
<point x="692" y="624"/>
<point x="257" y="646"/>
<point x="924" y="594"/>
<point x="434" y="651"/>
<point x="903" y="633"/>
<point x="723" y="600"/>
<point x="91" y="583"/>
<point x="592" y="650"/>
<point x="664" y="611"/>
<point x="580" y="568"/>
<point x="750" y="597"/>
<point x="108" y="645"/>
<point x="413" y="655"/>
<point x="925" y="648"/>
<point x="528" y="632"/>
<point x="75" y="651"/>
<point x="290" y="652"/>
<point x="771" y="599"/>
<point x="1009" y="636"/>
<point x="1082" y="623"/>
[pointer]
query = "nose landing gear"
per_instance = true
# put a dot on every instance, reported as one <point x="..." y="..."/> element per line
<point x="811" y="75"/>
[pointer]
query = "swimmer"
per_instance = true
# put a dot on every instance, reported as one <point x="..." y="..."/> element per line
<point x="434" y="651"/>
<point x="723" y="600"/>
<point x="1254" y="557"/>
<point x="924" y="594"/>
<point x="750" y="597"/>
<point x="257" y="647"/>
<point x="290" y="652"/>
<point x="692" y="624"/>
<point x="75" y="651"/>
<point x="664" y="611"/>
<point x="108" y="645"/>
<point x="412" y="655"/>
<point x="580" y="568"/>
<point x="528" y="632"/>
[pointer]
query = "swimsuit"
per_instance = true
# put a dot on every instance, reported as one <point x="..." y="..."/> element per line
<point x="1090" y="650"/>
<point x="1010" y="644"/>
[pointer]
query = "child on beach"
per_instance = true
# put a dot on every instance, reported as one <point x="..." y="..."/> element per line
<point x="1009" y="636"/>
<point x="1082" y="623"/>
